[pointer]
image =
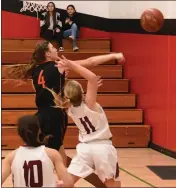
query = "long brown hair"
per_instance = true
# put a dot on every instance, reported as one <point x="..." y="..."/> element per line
<point x="29" y="131"/>
<point x="24" y="72"/>
<point x="48" y="15"/>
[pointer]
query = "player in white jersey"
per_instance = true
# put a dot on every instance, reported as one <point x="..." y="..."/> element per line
<point x="95" y="151"/>
<point x="33" y="165"/>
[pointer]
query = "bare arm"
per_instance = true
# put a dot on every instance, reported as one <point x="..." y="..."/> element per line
<point x="6" y="166"/>
<point x="97" y="60"/>
<point x="61" y="170"/>
<point x="92" y="84"/>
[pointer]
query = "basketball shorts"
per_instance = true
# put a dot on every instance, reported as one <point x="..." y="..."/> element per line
<point x="99" y="157"/>
<point x="53" y="121"/>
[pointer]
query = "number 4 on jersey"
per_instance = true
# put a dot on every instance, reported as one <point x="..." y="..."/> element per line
<point x="41" y="79"/>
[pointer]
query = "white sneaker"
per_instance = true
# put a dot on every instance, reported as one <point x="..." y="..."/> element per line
<point x="61" y="49"/>
<point x="71" y="37"/>
<point x="75" y="49"/>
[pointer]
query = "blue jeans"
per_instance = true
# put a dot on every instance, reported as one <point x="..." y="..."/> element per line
<point x="72" y="32"/>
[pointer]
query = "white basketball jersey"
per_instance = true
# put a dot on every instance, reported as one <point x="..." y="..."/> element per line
<point x="32" y="167"/>
<point x="92" y="125"/>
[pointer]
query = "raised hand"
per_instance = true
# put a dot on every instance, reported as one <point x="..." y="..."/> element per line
<point x="119" y="57"/>
<point x="57" y="30"/>
<point x="63" y="63"/>
<point x="67" y="20"/>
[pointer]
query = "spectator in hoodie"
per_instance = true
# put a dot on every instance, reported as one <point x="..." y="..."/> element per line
<point x="51" y="25"/>
<point x="71" y="26"/>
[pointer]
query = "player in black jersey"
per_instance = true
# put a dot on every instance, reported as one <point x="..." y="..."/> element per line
<point x="44" y="73"/>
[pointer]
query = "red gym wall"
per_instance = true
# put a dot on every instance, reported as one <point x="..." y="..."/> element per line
<point x="150" y="67"/>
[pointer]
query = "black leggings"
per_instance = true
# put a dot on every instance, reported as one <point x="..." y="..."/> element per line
<point x="53" y="121"/>
<point x="48" y="35"/>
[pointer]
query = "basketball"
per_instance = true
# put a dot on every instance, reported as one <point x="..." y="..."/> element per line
<point x="152" y="20"/>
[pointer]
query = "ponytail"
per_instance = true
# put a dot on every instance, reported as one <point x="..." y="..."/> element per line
<point x="21" y="72"/>
<point x="24" y="71"/>
<point x="73" y="92"/>
<point x="29" y="131"/>
<point x="59" y="101"/>
<point x="29" y="138"/>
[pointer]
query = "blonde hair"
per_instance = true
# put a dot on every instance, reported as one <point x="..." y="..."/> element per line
<point x="73" y="93"/>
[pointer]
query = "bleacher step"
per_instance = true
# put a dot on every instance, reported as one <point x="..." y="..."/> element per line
<point x="109" y="85"/>
<point x="119" y="116"/>
<point x="27" y="101"/>
<point x="83" y="44"/>
<point x="17" y="57"/>
<point x="123" y="136"/>
<point x="105" y="71"/>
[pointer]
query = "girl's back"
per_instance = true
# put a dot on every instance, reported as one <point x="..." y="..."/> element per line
<point x="47" y="75"/>
<point x="93" y="125"/>
<point x="32" y="167"/>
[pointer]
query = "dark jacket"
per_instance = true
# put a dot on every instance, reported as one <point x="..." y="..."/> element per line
<point x="75" y="19"/>
<point x="44" y="26"/>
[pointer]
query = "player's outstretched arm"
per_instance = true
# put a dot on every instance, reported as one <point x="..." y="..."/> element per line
<point x="6" y="166"/>
<point x="101" y="59"/>
<point x="61" y="170"/>
<point x="92" y="84"/>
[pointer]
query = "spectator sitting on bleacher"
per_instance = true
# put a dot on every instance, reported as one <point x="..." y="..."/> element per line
<point x="51" y="25"/>
<point x="71" y="26"/>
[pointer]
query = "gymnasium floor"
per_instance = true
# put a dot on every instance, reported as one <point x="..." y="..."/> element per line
<point x="133" y="168"/>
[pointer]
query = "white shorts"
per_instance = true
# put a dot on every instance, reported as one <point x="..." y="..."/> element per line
<point x="99" y="157"/>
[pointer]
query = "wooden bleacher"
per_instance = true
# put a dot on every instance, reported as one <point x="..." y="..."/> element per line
<point x="85" y="45"/>
<point x="126" y="122"/>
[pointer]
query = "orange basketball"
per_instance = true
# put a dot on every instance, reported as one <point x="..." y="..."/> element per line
<point x="152" y="20"/>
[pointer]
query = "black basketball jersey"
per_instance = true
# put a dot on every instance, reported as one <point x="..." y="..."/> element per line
<point x="47" y="75"/>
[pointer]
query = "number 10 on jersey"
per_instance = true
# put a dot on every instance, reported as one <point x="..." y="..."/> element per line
<point x="29" y="175"/>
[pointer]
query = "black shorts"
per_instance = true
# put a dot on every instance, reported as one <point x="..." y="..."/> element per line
<point x="53" y="121"/>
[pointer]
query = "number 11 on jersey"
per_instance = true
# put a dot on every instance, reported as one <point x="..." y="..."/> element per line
<point x="87" y="125"/>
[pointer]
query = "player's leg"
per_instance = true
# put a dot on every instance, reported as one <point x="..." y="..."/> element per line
<point x="53" y="122"/>
<point x="81" y="165"/>
<point x="63" y="154"/>
<point x="106" y="164"/>
<point x="112" y="183"/>
<point x="64" y="123"/>
<point x="92" y="178"/>
<point x="58" y="129"/>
